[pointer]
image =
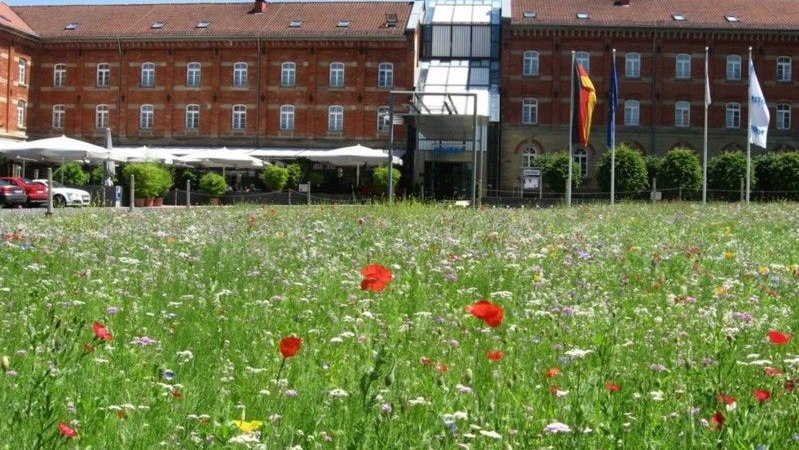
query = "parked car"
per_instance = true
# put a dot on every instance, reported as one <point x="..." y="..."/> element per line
<point x="12" y="195"/>
<point x="37" y="193"/>
<point x="66" y="196"/>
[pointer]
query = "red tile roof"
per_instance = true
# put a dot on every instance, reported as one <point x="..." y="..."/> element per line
<point x="10" y="20"/>
<point x="227" y="20"/>
<point x="703" y="14"/>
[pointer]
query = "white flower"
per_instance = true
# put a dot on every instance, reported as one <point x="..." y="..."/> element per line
<point x="338" y="393"/>
<point x="577" y="353"/>
<point x="557" y="427"/>
<point x="656" y="396"/>
<point x="418" y="401"/>
<point x="491" y="434"/>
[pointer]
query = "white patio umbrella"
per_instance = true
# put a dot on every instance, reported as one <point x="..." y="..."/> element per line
<point x="222" y="158"/>
<point x="145" y="154"/>
<point x="353" y="155"/>
<point x="58" y="150"/>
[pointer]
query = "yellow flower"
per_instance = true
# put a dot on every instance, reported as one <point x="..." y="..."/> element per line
<point x="248" y="427"/>
<point x="763" y="270"/>
<point x="635" y="249"/>
<point x="719" y="291"/>
<point x="729" y="255"/>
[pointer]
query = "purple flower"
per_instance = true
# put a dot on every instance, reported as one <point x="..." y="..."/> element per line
<point x="657" y="367"/>
<point x="290" y="393"/>
<point x="742" y="316"/>
<point x="386" y="408"/>
<point x="452" y="277"/>
<point x="111" y="310"/>
<point x="169" y="375"/>
<point x="143" y="341"/>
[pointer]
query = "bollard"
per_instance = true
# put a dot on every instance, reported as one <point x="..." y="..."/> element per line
<point x="132" y="185"/>
<point x="49" y="191"/>
<point x="188" y="193"/>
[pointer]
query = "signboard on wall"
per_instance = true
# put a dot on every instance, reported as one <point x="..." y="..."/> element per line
<point x="449" y="148"/>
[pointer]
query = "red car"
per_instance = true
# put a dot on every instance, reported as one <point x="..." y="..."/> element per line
<point x="37" y="193"/>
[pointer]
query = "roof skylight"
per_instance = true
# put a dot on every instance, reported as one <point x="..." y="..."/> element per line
<point x="528" y="14"/>
<point x="295" y="23"/>
<point x="582" y="15"/>
<point x="203" y="24"/>
<point x="71" y="26"/>
<point x="343" y="24"/>
<point x="732" y="18"/>
<point x="678" y="17"/>
<point x="157" y="25"/>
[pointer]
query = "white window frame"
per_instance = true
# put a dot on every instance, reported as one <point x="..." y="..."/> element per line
<point x="147" y="76"/>
<point x="583" y="58"/>
<point x="22" y="71"/>
<point x="103" y="75"/>
<point x="530" y="111"/>
<point x="287" y="117"/>
<point x="101" y="113"/>
<point x="580" y="157"/>
<point x="336" y="77"/>
<point x="192" y="117"/>
<point x="335" y="118"/>
<point x="385" y="75"/>
<point x="530" y="63"/>
<point x="239" y="118"/>
<point x="59" y="75"/>
<point x="733" y="71"/>
<point x="59" y="113"/>
<point x="288" y="74"/>
<point x="632" y="113"/>
<point x="682" y="66"/>
<point x="240" y="70"/>
<point x="383" y="124"/>
<point x="21" y="107"/>
<point x="146" y="117"/>
<point x="194" y="74"/>
<point x="784" y="64"/>
<point x="682" y="114"/>
<point x="632" y="65"/>
<point x="528" y="157"/>
<point x="783" y="120"/>
<point x="732" y="115"/>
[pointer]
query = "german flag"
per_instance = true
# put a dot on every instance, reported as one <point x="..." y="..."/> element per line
<point x="583" y="101"/>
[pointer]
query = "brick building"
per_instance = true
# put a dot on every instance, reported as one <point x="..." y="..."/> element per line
<point x="319" y="75"/>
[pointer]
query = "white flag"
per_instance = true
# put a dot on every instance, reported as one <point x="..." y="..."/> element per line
<point x="758" y="110"/>
<point x="707" y="84"/>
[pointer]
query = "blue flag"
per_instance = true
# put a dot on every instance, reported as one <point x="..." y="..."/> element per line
<point x="614" y="100"/>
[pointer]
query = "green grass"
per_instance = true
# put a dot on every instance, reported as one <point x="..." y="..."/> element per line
<point x="672" y="302"/>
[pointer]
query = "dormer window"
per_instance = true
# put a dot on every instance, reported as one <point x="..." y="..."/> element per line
<point x="391" y="20"/>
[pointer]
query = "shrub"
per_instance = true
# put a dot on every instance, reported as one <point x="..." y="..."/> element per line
<point x="73" y="174"/>
<point x="725" y="171"/>
<point x="777" y="171"/>
<point x="555" y="171"/>
<point x="631" y="174"/>
<point x="680" y="169"/>
<point x="150" y="179"/>
<point x="380" y="178"/>
<point x="295" y="175"/>
<point x="653" y="164"/>
<point x="213" y="184"/>
<point x="275" y="177"/>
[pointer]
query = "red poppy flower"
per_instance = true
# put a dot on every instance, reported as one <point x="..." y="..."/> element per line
<point x="772" y="371"/>
<point x="726" y="399"/>
<point x="289" y="346"/>
<point x="789" y="385"/>
<point x="553" y="388"/>
<point x="717" y="420"/>
<point x="552" y="372"/>
<point x="612" y="387"/>
<point x="778" y="338"/>
<point x="761" y="395"/>
<point x="425" y="361"/>
<point x="176" y="393"/>
<point x="66" y="431"/>
<point x="101" y="333"/>
<point x="495" y="355"/>
<point x="375" y="277"/>
<point x="442" y="367"/>
<point x="488" y="312"/>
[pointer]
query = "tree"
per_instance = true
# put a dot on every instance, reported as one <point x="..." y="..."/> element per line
<point x="73" y="174"/>
<point x="726" y="170"/>
<point x="275" y="177"/>
<point x="631" y="173"/>
<point x="380" y="178"/>
<point x="680" y="169"/>
<point x="555" y="171"/>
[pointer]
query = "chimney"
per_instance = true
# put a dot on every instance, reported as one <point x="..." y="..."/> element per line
<point x="259" y="7"/>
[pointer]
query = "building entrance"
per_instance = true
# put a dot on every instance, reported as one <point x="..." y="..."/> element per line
<point x="448" y="180"/>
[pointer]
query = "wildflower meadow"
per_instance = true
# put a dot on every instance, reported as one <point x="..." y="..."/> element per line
<point x="401" y="327"/>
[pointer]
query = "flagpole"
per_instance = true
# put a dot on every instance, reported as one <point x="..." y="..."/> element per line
<point x="571" y="130"/>
<point x="748" y="130"/>
<point x="613" y="140"/>
<point x="707" y="104"/>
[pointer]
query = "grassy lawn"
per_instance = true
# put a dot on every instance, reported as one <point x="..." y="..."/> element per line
<point x="635" y="326"/>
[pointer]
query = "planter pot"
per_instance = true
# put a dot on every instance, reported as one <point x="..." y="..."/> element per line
<point x="138" y="202"/>
<point x="158" y="201"/>
<point x="149" y="202"/>
<point x="214" y="201"/>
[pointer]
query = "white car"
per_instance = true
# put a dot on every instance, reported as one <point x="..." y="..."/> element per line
<point x="66" y="196"/>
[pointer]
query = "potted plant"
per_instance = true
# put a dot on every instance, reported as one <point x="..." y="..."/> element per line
<point x="213" y="185"/>
<point x="151" y="180"/>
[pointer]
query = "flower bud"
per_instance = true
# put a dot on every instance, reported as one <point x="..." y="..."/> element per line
<point x="5" y="363"/>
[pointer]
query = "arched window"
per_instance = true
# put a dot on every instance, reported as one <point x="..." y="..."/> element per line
<point x="146" y="117"/>
<point x="336" y="75"/>
<point x="530" y="111"/>
<point x="58" y="116"/>
<point x="288" y="74"/>
<point x="580" y="156"/>
<point x="193" y="74"/>
<point x="632" y="65"/>
<point x="528" y="156"/>
<point x="385" y="75"/>
<point x="101" y="117"/>
<point x="682" y="114"/>
<point x="632" y="113"/>
<point x="783" y="116"/>
<point x="732" y="115"/>
<point x="148" y="74"/>
<point x="239" y="117"/>
<point x="784" y="69"/>
<point x="59" y="75"/>
<point x="335" y="118"/>
<point x="682" y="68"/>
<point x="192" y="117"/>
<point x="383" y="124"/>
<point x="287" y="117"/>
<point x="583" y="58"/>
<point x="240" y="74"/>
<point x="733" y="67"/>
<point x="103" y="75"/>
<point x="21" y="106"/>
